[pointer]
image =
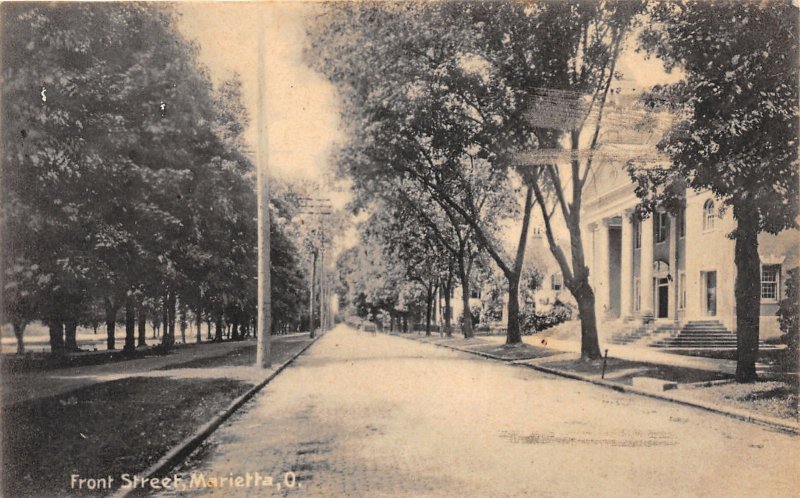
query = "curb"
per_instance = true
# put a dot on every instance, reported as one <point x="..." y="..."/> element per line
<point x="188" y="445"/>
<point x="770" y="422"/>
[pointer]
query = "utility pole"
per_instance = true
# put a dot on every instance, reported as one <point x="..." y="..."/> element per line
<point x="312" y="281"/>
<point x="264" y="324"/>
<point x="322" y="285"/>
<point x="320" y="207"/>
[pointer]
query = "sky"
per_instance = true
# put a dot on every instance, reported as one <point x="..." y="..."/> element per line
<point x="302" y="106"/>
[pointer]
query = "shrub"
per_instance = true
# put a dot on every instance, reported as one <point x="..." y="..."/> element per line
<point x="533" y="322"/>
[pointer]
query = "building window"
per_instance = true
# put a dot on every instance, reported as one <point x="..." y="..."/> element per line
<point x="682" y="291"/>
<point x="770" y="280"/>
<point x="637" y="294"/>
<point x="556" y="282"/>
<point x="662" y="227"/>
<point x="682" y="223"/>
<point x="709" y="215"/>
<point x="637" y="234"/>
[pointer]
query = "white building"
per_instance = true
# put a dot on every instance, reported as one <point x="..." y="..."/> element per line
<point x="672" y="269"/>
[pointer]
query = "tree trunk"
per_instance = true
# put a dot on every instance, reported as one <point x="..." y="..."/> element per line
<point x="576" y="278"/>
<point x="448" y="331"/>
<point x="590" y="345"/>
<point x="130" y="325"/>
<point x="171" y="311"/>
<point x="513" y="333"/>
<point x="198" y="323"/>
<point x="218" y="336"/>
<point x="142" y="316"/>
<point x="56" y="328"/>
<point x="428" y="309"/>
<point x="19" y="331"/>
<point x="111" y="323"/>
<point x="748" y="292"/>
<point x="208" y="327"/>
<point x="466" y="313"/>
<point x="70" y="335"/>
<point x="165" y="321"/>
<point x="183" y="323"/>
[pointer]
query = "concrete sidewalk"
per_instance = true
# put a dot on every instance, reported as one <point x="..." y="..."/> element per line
<point x="28" y="385"/>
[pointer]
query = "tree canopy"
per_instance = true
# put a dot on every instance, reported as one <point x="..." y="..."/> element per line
<point x="125" y="178"/>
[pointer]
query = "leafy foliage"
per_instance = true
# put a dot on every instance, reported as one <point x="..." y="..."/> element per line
<point x="124" y="177"/>
<point x="789" y="312"/>
<point x="738" y="104"/>
<point x="737" y="131"/>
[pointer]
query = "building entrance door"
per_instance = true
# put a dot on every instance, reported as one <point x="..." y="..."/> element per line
<point x="711" y="293"/>
<point x="662" y="298"/>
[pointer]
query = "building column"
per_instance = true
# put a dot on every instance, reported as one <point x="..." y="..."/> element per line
<point x="646" y="267"/>
<point x="626" y="267"/>
<point x="600" y="270"/>
<point x="673" y="266"/>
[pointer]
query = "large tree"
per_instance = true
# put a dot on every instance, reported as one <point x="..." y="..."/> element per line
<point x="737" y="136"/>
<point x="575" y="66"/>
<point x="124" y="176"/>
<point x="427" y="106"/>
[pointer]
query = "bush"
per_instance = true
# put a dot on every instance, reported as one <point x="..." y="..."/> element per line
<point x="789" y="312"/>
<point x="533" y="322"/>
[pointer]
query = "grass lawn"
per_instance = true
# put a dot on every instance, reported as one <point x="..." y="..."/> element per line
<point x="116" y="427"/>
<point x="105" y="429"/>
<point x="246" y="356"/>
<point x="511" y="353"/>
<point x="768" y="356"/>
<point x="772" y="398"/>
<point x="623" y="371"/>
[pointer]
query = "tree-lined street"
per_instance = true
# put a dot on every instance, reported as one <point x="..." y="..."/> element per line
<point x="590" y="202"/>
<point x="366" y="415"/>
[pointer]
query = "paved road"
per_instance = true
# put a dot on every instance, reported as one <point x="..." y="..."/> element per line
<point x="364" y="415"/>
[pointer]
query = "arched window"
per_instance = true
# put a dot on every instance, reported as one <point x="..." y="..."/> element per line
<point x="709" y="215"/>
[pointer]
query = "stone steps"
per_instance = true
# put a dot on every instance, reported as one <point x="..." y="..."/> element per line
<point x="706" y="334"/>
<point x="644" y="333"/>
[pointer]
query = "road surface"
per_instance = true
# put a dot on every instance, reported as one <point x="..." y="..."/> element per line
<point x="374" y="415"/>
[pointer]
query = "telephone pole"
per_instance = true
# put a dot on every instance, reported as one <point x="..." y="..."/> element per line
<point x="321" y="207"/>
<point x="264" y="320"/>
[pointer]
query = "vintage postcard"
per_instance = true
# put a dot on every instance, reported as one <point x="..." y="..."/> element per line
<point x="400" y="248"/>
